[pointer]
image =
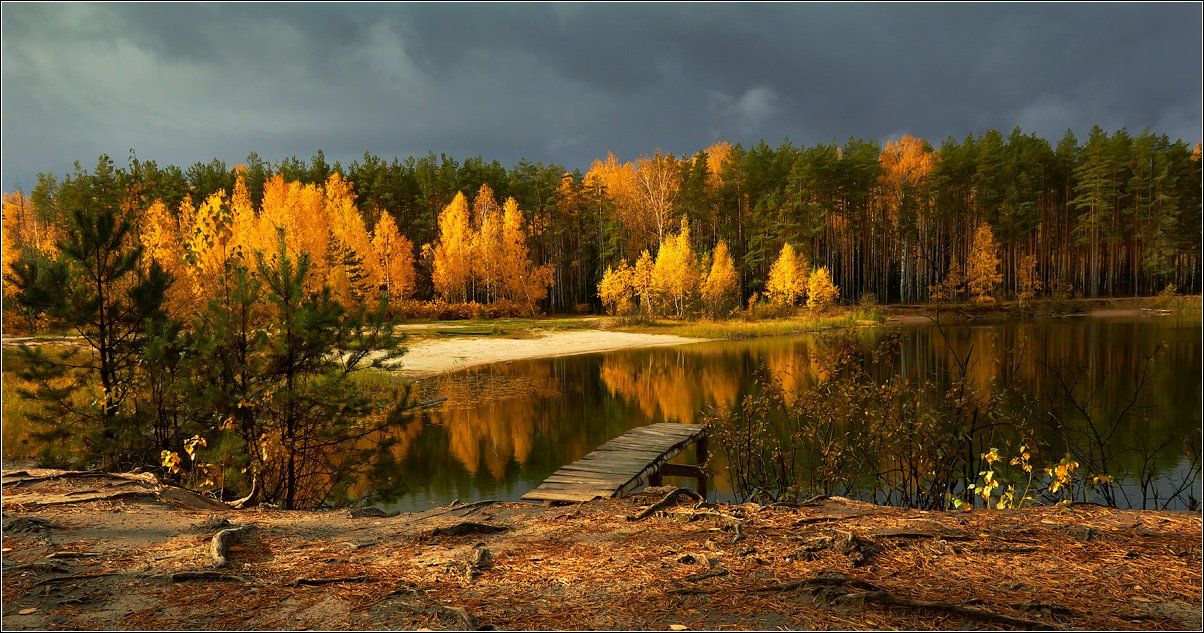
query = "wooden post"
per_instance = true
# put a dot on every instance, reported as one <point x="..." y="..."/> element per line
<point x="702" y="462"/>
<point x="656" y="479"/>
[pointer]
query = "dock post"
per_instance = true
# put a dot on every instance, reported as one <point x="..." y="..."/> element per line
<point x="702" y="461"/>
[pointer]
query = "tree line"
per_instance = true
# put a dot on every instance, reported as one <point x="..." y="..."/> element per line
<point x="1116" y="215"/>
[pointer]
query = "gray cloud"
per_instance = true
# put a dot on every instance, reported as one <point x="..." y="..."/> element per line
<point x="567" y="83"/>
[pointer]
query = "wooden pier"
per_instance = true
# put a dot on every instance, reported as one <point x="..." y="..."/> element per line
<point x="640" y="456"/>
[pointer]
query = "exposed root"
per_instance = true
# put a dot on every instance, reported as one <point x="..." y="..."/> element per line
<point x="468" y="527"/>
<point x="206" y="576"/>
<point x="314" y="582"/>
<point x="219" y="546"/>
<point x="665" y="502"/>
<point x="248" y="500"/>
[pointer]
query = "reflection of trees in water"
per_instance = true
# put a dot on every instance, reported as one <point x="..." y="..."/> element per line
<point x="673" y="391"/>
<point x="491" y="416"/>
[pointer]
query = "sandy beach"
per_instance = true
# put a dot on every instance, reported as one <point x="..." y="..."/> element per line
<point x="435" y="356"/>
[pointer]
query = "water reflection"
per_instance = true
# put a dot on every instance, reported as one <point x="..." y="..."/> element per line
<point x="505" y="427"/>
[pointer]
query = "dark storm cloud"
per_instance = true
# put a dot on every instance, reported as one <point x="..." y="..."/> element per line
<point x="566" y="83"/>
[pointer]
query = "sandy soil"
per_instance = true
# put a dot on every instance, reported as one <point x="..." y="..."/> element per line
<point x="433" y="356"/>
<point x="122" y="552"/>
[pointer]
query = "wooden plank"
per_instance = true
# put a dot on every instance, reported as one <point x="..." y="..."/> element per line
<point x="620" y="465"/>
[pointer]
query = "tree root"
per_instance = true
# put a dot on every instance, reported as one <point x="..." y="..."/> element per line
<point x="465" y="506"/>
<point x="314" y="582"/>
<point x="468" y="527"/>
<point x="206" y="576"/>
<point x="219" y="546"/>
<point x="665" y="502"/>
<point x="129" y="495"/>
<point x="248" y="500"/>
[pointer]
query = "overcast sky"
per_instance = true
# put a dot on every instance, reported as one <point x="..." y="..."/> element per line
<point x="566" y="83"/>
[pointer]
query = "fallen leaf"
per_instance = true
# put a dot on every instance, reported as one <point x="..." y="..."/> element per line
<point x="678" y="627"/>
<point x="27" y="611"/>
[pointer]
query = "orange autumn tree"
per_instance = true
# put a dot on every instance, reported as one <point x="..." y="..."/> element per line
<point x="524" y="281"/>
<point x="487" y="245"/>
<point x="983" y="276"/>
<point x="353" y="271"/>
<point x="821" y="292"/>
<point x="616" y="290"/>
<point x="452" y="263"/>
<point x="787" y="283"/>
<point x="675" y="273"/>
<point x="395" y="259"/>
<point x="721" y="290"/>
<point x="658" y="181"/>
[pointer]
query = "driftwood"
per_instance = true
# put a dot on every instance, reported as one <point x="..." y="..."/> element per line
<point x="219" y="546"/>
<point x="665" y="502"/>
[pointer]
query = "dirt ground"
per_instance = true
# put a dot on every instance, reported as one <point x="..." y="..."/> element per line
<point x="84" y="551"/>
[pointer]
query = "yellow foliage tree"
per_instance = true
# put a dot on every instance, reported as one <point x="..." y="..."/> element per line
<point x="244" y="226"/>
<point x="658" y="180"/>
<point x="787" y="283"/>
<point x="205" y="250"/>
<point x="952" y="286"/>
<point x="641" y="281"/>
<point x="616" y="290"/>
<point x="617" y="182"/>
<point x="22" y="229"/>
<point x="487" y="245"/>
<point x="1028" y="282"/>
<point x="452" y="254"/>
<point x="821" y="292"/>
<point x="395" y="259"/>
<point x="353" y="272"/>
<point x="675" y="273"/>
<point x="721" y="290"/>
<point x="524" y="281"/>
<point x="984" y="275"/>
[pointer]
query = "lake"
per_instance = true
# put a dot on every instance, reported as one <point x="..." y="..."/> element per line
<point x="506" y="427"/>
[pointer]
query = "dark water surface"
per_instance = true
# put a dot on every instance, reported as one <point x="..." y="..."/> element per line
<point x="506" y="427"/>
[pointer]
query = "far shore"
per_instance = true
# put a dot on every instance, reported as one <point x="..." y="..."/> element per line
<point x="436" y="347"/>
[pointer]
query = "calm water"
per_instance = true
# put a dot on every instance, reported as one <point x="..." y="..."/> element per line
<point x="506" y="427"/>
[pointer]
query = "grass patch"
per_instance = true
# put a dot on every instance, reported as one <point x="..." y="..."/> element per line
<point x="743" y="329"/>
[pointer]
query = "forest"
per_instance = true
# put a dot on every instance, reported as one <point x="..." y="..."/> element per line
<point x="1117" y="215"/>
